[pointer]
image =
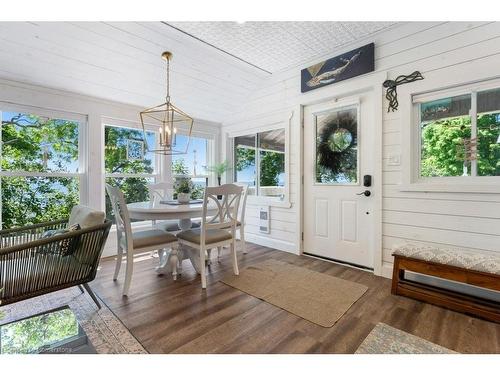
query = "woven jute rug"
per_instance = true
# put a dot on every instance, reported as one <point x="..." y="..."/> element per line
<point x="314" y="296"/>
<point x="104" y="330"/>
<point x="384" y="339"/>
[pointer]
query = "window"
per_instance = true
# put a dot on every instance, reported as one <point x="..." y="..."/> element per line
<point x="460" y="134"/>
<point x="41" y="168"/>
<point x="193" y="163"/>
<point x="128" y="164"/>
<point x="259" y="162"/>
<point x="337" y="146"/>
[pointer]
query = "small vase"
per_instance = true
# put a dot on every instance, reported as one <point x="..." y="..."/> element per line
<point x="183" y="197"/>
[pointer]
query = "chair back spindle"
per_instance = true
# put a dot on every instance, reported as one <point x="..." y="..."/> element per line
<point x="160" y="191"/>
<point x="243" y="204"/>
<point x="226" y="215"/>
<point x="122" y="218"/>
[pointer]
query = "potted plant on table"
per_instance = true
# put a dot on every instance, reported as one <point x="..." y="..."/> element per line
<point x="183" y="187"/>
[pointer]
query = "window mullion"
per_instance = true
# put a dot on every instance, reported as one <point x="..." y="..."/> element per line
<point x="473" y="133"/>
<point x="1" y="144"/>
<point x="257" y="165"/>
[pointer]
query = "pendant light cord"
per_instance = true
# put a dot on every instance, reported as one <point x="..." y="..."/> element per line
<point x="168" y="80"/>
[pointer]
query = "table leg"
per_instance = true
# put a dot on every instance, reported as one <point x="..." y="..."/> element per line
<point x="194" y="257"/>
<point x="174" y="262"/>
<point x="163" y="261"/>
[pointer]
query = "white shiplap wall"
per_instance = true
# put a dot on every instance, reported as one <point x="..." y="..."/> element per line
<point x="447" y="219"/>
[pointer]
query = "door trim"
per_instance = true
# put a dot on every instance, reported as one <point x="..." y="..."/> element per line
<point x="349" y="88"/>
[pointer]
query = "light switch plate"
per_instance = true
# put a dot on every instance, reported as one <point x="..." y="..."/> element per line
<point x="394" y="159"/>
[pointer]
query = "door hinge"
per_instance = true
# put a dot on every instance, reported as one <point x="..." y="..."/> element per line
<point x="302" y="179"/>
<point x="302" y="236"/>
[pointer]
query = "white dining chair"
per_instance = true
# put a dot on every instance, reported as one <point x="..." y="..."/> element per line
<point x="160" y="191"/>
<point x="164" y="191"/>
<point x="240" y="224"/>
<point x="133" y="242"/>
<point x="214" y="230"/>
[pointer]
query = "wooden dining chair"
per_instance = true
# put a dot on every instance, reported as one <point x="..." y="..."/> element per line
<point x="133" y="242"/>
<point x="214" y="228"/>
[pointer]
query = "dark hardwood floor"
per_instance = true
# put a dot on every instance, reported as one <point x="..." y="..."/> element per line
<point x="169" y="316"/>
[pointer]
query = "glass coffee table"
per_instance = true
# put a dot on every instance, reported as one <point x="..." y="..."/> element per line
<point x="54" y="331"/>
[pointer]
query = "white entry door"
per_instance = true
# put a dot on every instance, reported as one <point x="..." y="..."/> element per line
<point x="338" y="161"/>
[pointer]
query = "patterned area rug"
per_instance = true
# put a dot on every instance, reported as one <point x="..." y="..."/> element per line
<point x="384" y="339"/>
<point x="104" y="330"/>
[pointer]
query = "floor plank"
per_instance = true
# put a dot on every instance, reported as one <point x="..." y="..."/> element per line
<point x="169" y="316"/>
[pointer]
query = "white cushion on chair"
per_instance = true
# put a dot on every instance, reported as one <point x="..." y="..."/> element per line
<point x="152" y="237"/>
<point x="211" y="236"/>
<point x="85" y="216"/>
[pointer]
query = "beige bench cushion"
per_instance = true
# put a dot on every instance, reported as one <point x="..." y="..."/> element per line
<point x="153" y="237"/>
<point x="482" y="261"/>
<point x="212" y="236"/>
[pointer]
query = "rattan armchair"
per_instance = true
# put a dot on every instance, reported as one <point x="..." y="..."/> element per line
<point x="31" y="266"/>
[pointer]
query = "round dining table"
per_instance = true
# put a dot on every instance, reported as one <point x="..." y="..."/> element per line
<point x="171" y="261"/>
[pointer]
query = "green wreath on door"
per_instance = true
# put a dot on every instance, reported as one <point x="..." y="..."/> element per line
<point x="337" y="145"/>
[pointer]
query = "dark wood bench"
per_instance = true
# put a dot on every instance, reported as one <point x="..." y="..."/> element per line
<point x="480" y="269"/>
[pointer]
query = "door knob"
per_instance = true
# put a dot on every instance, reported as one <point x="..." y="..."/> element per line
<point x="366" y="193"/>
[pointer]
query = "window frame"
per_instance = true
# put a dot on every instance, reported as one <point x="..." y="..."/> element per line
<point x="82" y="173"/>
<point x="355" y="104"/>
<point x="412" y="179"/>
<point x="259" y="199"/>
<point x="211" y="157"/>
<point x="158" y="164"/>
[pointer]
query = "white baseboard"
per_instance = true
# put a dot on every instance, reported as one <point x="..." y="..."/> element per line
<point x="386" y="270"/>
<point x="110" y="246"/>
<point x="289" y="247"/>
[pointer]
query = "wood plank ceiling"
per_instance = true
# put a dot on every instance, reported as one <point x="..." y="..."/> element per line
<point x="216" y="65"/>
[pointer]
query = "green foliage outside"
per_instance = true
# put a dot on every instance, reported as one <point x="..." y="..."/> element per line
<point x="36" y="144"/>
<point x="179" y="167"/>
<point x="29" y="335"/>
<point x="115" y="161"/>
<point x="442" y="146"/>
<point x="272" y="164"/>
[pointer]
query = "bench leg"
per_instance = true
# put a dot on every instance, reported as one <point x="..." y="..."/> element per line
<point x="397" y="275"/>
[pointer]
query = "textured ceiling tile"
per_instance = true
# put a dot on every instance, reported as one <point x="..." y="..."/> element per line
<point x="275" y="46"/>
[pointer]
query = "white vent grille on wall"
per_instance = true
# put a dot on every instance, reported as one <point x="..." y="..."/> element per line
<point x="264" y="219"/>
